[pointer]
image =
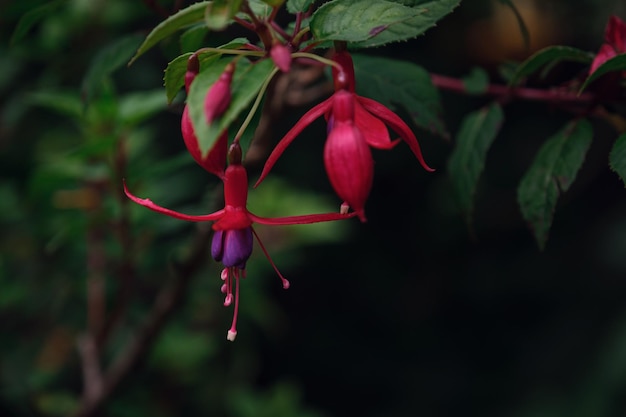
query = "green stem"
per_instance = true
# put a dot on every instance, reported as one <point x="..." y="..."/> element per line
<point x="231" y="51"/>
<point x="255" y="106"/>
<point x="318" y="58"/>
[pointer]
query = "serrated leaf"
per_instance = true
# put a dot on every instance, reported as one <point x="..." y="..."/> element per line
<point x="185" y="17"/>
<point x="219" y="13"/>
<point x="298" y="6"/>
<point x="400" y="84"/>
<point x="365" y="24"/>
<point x="617" y="157"/>
<point x="552" y="172"/>
<point x="247" y="82"/>
<point x="477" y="81"/>
<point x="109" y="59"/>
<point x="467" y="162"/>
<point x="546" y="56"/>
<point x="31" y="18"/>
<point x="174" y="77"/>
<point x="137" y="107"/>
<point x="617" y="63"/>
<point x="520" y="21"/>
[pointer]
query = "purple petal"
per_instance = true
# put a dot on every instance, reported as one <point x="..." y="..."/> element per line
<point x="217" y="245"/>
<point x="237" y="247"/>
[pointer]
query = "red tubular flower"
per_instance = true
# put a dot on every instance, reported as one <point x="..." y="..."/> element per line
<point x="614" y="42"/>
<point x="347" y="158"/>
<point x="365" y="123"/>
<point x="232" y="241"/>
<point x="218" y="97"/>
<point x="214" y="161"/>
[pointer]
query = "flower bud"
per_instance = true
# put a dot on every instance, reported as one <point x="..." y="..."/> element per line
<point x="215" y="160"/>
<point x="193" y="68"/>
<point x="349" y="165"/>
<point x="218" y="97"/>
<point x="281" y="55"/>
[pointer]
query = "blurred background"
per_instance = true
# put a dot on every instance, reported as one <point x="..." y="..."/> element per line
<point x="410" y="314"/>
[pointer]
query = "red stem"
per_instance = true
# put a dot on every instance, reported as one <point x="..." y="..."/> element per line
<point x="524" y="93"/>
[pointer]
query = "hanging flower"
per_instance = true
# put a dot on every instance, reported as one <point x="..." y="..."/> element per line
<point x="364" y="122"/>
<point x="232" y="241"/>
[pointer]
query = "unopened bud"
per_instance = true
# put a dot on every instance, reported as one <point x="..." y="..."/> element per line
<point x="193" y="68"/>
<point x="281" y="55"/>
<point x="218" y="97"/>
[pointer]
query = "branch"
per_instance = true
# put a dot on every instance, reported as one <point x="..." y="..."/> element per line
<point x="168" y="299"/>
<point x="553" y="95"/>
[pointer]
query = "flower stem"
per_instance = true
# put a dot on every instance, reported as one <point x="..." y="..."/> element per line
<point x="223" y="51"/>
<point x="255" y="106"/>
<point x="317" y="58"/>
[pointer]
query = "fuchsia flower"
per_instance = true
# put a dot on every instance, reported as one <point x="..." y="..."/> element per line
<point x="355" y="123"/>
<point x="232" y="241"/>
<point x="614" y="43"/>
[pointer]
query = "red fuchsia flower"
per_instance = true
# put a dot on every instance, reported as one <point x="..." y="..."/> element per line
<point x="614" y="42"/>
<point x="355" y="123"/>
<point x="232" y="241"/>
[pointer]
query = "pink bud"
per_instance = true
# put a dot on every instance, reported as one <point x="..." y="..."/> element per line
<point x="281" y="55"/>
<point x="218" y="97"/>
<point x="193" y="68"/>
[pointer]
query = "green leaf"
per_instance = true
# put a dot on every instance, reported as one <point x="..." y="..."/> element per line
<point x="137" y="107"/>
<point x="174" y="78"/>
<point x="617" y="157"/>
<point x="549" y="55"/>
<point x="365" y="24"/>
<point x="298" y="6"/>
<point x="617" y="63"/>
<point x="219" y="13"/>
<point x="520" y="21"/>
<point x="477" y="81"/>
<point x="247" y="82"/>
<point x="552" y="172"/>
<point x="66" y="103"/>
<point x="274" y="3"/>
<point x="185" y="17"/>
<point x="467" y="162"/>
<point x="192" y="39"/>
<point x="30" y="18"/>
<point x="400" y="84"/>
<point x="108" y="60"/>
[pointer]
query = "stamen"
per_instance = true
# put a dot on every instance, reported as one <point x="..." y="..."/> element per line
<point x="224" y="288"/>
<point x="232" y="333"/>
<point x="344" y="208"/>
<point x="228" y="300"/>
<point x="224" y="274"/>
<point x="267" y="255"/>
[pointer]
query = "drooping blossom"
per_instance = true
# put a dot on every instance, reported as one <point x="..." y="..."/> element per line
<point x="614" y="42"/>
<point x="364" y="123"/>
<point x="214" y="161"/>
<point x="232" y="240"/>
